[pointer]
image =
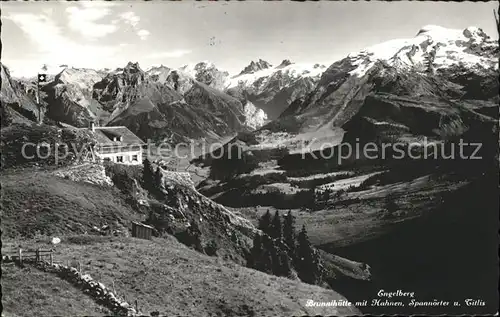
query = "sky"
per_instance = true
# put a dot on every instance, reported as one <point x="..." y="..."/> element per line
<point x="101" y="34"/>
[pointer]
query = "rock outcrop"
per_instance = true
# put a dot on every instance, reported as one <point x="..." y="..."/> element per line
<point x="16" y="105"/>
<point x="273" y="89"/>
<point x="87" y="173"/>
<point x="255" y="67"/>
<point x="180" y="210"/>
<point x="69" y="97"/>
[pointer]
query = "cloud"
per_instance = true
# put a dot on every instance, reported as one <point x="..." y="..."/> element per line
<point x="39" y="28"/>
<point x="169" y="54"/>
<point x="133" y="20"/>
<point x="130" y="18"/>
<point x="54" y="47"/>
<point x="84" y="19"/>
<point x="143" y="34"/>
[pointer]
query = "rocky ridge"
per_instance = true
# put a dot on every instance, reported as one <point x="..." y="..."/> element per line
<point x="273" y="89"/>
<point x="446" y="75"/>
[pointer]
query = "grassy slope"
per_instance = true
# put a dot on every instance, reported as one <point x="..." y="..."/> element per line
<point x="162" y="274"/>
<point x="166" y="276"/>
<point x="37" y="201"/>
<point x="30" y="292"/>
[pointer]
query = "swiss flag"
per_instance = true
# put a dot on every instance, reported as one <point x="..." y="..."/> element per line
<point x="42" y="78"/>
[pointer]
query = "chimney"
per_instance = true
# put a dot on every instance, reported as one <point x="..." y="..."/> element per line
<point x="92" y="126"/>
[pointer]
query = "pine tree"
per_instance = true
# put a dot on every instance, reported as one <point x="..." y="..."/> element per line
<point x="276" y="226"/>
<point x="306" y="261"/>
<point x="286" y="268"/>
<point x="255" y="259"/>
<point x="267" y="254"/>
<point x="158" y="177"/>
<point x="304" y="247"/>
<point x="275" y="259"/>
<point x="265" y="223"/>
<point x="289" y="231"/>
<point x="313" y="275"/>
<point x="148" y="175"/>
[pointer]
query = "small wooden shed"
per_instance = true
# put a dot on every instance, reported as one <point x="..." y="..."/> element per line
<point x="142" y="231"/>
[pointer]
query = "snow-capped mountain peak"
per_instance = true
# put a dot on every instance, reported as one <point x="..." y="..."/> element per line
<point x="132" y="68"/>
<point x="433" y="46"/>
<point x="255" y="67"/>
<point x="193" y="68"/>
<point x="155" y="70"/>
<point x="85" y="76"/>
<point x="291" y="71"/>
<point x="284" y="63"/>
<point x="206" y="72"/>
<point x="273" y="89"/>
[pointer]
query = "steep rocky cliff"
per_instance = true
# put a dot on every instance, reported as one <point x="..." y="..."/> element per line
<point x="273" y="89"/>
<point x="16" y="105"/>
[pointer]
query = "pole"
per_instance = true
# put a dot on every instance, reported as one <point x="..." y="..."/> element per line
<point x="38" y="99"/>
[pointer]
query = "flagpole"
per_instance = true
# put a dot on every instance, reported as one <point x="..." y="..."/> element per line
<point x="38" y="98"/>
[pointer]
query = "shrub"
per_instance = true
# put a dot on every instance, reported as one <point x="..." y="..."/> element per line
<point x="211" y="248"/>
<point x="123" y="175"/>
<point x="148" y="177"/>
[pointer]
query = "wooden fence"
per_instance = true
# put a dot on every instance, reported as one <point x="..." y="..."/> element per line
<point x="39" y="255"/>
<point x="31" y="255"/>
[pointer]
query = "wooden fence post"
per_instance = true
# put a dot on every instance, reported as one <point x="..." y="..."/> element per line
<point x="80" y="267"/>
<point x="37" y="255"/>
<point x="51" y="259"/>
<point x="20" y="256"/>
<point x="136" y="307"/>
